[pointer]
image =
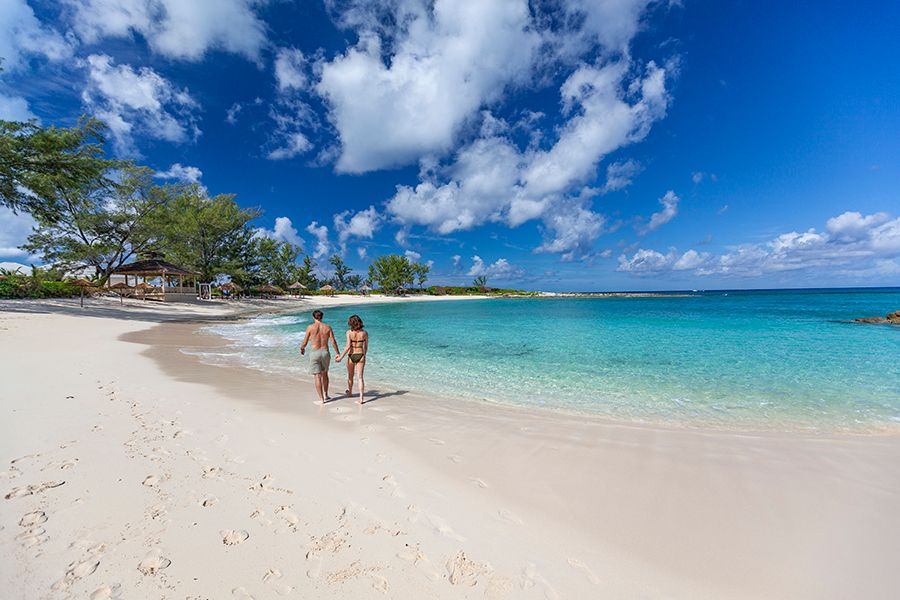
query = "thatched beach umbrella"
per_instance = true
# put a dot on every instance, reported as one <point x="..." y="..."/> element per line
<point x="82" y="283"/>
<point x="269" y="289"/>
<point x="231" y="287"/>
<point x="365" y="289"/>
<point x="120" y="289"/>
<point x="297" y="286"/>
<point x="327" y="288"/>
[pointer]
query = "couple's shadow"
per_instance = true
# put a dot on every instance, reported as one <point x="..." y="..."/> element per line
<point x="370" y="396"/>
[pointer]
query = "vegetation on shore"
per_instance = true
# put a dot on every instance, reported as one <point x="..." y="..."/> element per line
<point x="94" y="215"/>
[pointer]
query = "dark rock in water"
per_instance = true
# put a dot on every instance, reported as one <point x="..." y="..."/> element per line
<point x="892" y="319"/>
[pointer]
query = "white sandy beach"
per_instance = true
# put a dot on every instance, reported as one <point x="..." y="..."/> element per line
<point x="130" y="470"/>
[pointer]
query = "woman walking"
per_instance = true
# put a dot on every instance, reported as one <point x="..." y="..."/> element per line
<point x="357" y="347"/>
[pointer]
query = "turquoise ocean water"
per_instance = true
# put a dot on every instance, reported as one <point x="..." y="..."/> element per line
<point x="738" y="359"/>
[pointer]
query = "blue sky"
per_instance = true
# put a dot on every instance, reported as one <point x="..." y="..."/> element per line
<point x="557" y="145"/>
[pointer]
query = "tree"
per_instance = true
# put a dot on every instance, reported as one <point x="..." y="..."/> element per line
<point x="354" y="282"/>
<point x="305" y="273"/>
<point x="341" y="272"/>
<point x="40" y="165"/>
<point x="100" y="227"/>
<point x="394" y="272"/>
<point x="480" y="282"/>
<point x="276" y="261"/>
<point x="209" y="235"/>
<point x="421" y="271"/>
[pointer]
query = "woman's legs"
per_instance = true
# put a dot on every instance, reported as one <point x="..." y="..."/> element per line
<point x="361" y="366"/>
<point x="350" y="366"/>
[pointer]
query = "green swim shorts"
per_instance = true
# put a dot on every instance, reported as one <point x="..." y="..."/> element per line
<point x="319" y="361"/>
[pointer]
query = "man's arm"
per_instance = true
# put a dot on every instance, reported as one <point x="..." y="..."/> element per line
<point x="334" y="341"/>
<point x="305" y="339"/>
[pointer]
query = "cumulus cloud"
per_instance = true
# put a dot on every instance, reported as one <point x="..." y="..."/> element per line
<point x="141" y="102"/>
<point x="499" y="269"/>
<point x="295" y="144"/>
<point x="320" y="232"/>
<point x="174" y="28"/>
<point x="284" y="231"/>
<point x="491" y="179"/>
<point x="14" y="108"/>
<point x="669" y="211"/>
<point x="23" y="36"/>
<point x="361" y="225"/>
<point x="412" y="255"/>
<point x="182" y="173"/>
<point x="620" y="174"/>
<point x="290" y="70"/>
<point x="14" y="230"/>
<point x="852" y="243"/>
<point x="445" y="61"/>
<point x="456" y="258"/>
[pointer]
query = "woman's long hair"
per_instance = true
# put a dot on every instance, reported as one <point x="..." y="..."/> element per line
<point x="355" y="323"/>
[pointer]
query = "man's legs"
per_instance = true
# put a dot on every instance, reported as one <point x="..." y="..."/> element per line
<point x="325" y="383"/>
<point x="318" y="379"/>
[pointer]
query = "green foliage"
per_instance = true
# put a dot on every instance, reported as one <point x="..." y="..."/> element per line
<point x="41" y="165"/>
<point x="445" y="290"/>
<point x="98" y="226"/>
<point x="341" y="272"/>
<point x="208" y="235"/>
<point x="305" y="274"/>
<point x="42" y="283"/>
<point x="394" y="273"/>
<point x="275" y="262"/>
<point x="480" y="281"/>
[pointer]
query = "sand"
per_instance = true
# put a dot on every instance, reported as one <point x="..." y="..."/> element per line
<point x="131" y="470"/>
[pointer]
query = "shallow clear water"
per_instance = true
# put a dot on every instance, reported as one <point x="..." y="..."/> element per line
<point x="770" y="359"/>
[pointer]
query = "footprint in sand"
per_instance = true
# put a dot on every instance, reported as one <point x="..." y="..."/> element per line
<point x="574" y="562"/>
<point x="455" y="458"/>
<point x="530" y="578"/>
<point x="32" y="536"/>
<point x="464" y="571"/>
<point x="150" y="481"/>
<point x="271" y="577"/>
<point x="107" y="592"/>
<point x="285" y="513"/>
<point x="153" y="563"/>
<point x="209" y="502"/>
<point x="414" y="555"/>
<point x="479" y="482"/>
<point x="233" y="537"/>
<point x="241" y="594"/>
<point x="34" y="488"/>
<point x="33" y="518"/>
<point x="437" y="441"/>
<point x="380" y="584"/>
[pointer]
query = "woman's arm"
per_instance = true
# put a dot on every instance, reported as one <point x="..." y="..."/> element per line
<point x="346" y="349"/>
<point x="366" y="344"/>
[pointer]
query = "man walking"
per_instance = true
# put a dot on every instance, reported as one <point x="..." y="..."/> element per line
<point x="318" y="335"/>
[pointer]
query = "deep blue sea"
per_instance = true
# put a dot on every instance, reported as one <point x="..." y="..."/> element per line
<point x="781" y="359"/>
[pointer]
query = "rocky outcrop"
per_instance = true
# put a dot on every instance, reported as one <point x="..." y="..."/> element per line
<point x="892" y="319"/>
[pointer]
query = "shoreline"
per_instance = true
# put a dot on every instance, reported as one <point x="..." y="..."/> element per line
<point x="408" y="496"/>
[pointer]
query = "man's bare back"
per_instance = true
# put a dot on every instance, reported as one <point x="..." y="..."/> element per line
<point x="319" y="334"/>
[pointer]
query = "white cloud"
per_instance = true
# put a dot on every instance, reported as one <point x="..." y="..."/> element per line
<point x="620" y="174"/>
<point x="141" y="101"/>
<point x="23" y="36"/>
<point x="320" y="232"/>
<point x="362" y="224"/>
<point x="492" y="180"/>
<point x="412" y="255"/>
<point x="231" y="115"/>
<point x="14" y="108"/>
<point x="574" y="229"/>
<point x="697" y="177"/>
<point x="499" y="269"/>
<point x="284" y="231"/>
<point x="177" y="29"/>
<point x="295" y="144"/>
<point x="362" y="252"/>
<point x="852" y="245"/>
<point x="182" y="173"/>
<point x="445" y="61"/>
<point x="670" y="209"/>
<point x="456" y="258"/>
<point x="14" y="230"/>
<point x="290" y="70"/>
